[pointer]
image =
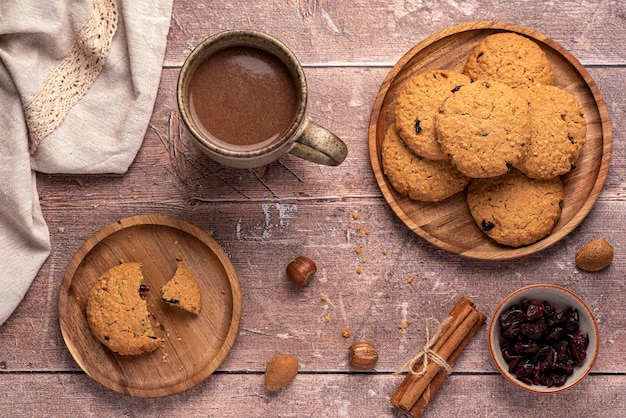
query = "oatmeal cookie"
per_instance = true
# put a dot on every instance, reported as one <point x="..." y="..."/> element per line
<point x="514" y="209"/>
<point x="419" y="178"/>
<point x="484" y="128"/>
<point x="183" y="291"/>
<point x="118" y="315"/>
<point x="509" y="58"/>
<point x="557" y="132"/>
<point x="416" y="106"/>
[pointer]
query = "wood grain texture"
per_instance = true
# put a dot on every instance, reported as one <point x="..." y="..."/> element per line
<point x="264" y="218"/>
<point x="309" y="395"/>
<point x="193" y="346"/>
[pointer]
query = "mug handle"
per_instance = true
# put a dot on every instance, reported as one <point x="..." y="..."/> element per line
<point x="319" y="145"/>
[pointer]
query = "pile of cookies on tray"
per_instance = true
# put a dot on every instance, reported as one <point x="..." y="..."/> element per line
<point x="500" y="129"/>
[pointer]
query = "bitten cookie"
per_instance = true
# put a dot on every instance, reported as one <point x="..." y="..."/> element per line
<point x="509" y="58"/>
<point x="416" y="106"/>
<point x="117" y="314"/>
<point x="513" y="209"/>
<point x="484" y="128"/>
<point x="183" y="291"/>
<point x="557" y="132"/>
<point x="419" y="178"/>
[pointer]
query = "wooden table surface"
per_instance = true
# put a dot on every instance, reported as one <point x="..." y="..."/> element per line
<point x="264" y="218"/>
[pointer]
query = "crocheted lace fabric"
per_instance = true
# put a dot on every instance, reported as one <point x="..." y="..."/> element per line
<point x="70" y="80"/>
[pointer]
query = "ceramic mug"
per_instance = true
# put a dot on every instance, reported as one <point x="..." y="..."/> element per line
<point x="243" y="95"/>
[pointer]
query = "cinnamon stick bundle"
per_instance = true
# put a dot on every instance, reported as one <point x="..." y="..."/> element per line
<point x="417" y="390"/>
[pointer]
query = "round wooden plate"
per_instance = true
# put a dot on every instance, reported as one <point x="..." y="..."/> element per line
<point x="448" y="224"/>
<point x="193" y="346"/>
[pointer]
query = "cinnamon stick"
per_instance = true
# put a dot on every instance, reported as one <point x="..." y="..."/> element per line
<point x="458" y="313"/>
<point x="428" y="395"/>
<point x="416" y="391"/>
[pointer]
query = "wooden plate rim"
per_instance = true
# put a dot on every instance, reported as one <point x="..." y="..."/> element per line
<point x="503" y="253"/>
<point x="174" y="223"/>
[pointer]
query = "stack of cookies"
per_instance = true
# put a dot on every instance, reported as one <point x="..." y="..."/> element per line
<point x="499" y="129"/>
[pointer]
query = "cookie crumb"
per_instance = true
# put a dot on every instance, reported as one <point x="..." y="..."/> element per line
<point x="404" y="325"/>
<point x="346" y="333"/>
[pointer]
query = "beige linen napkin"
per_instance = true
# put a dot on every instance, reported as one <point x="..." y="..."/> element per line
<point x="78" y="80"/>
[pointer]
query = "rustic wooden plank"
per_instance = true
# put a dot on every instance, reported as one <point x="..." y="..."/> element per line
<point x="261" y="238"/>
<point x="263" y="218"/>
<point x="309" y="395"/>
<point x="170" y="169"/>
<point x="323" y="33"/>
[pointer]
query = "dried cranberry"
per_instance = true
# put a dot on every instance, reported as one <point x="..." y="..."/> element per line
<point x="418" y="128"/>
<point x="487" y="226"/>
<point x="538" y="372"/>
<point x="535" y="310"/>
<point x="571" y="325"/>
<point x="526" y="348"/>
<point x="549" y="309"/>
<point x="508" y="356"/>
<point x="562" y="316"/>
<point x="533" y="330"/>
<point x="556" y="334"/>
<point x="541" y="344"/>
<point x="559" y="379"/>
<point x="578" y="347"/>
<point x="524" y="369"/>
<point x="143" y="290"/>
<point x="512" y="317"/>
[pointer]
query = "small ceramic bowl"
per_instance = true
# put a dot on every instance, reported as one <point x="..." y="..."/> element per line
<point x="559" y="298"/>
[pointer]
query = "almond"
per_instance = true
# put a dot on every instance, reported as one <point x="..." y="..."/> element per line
<point x="594" y="255"/>
<point x="280" y="371"/>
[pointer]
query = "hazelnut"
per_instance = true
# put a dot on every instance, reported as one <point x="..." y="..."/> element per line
<point x="362" y="356"/>
<point x="594" y="255"/>
<point x="301" y="270"/>
<point x="280" y="371"/>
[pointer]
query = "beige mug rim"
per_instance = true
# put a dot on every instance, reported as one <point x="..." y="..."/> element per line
<point x="242" y="38"/>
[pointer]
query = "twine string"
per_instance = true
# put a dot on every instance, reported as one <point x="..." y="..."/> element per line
<point x="426" y="354"/>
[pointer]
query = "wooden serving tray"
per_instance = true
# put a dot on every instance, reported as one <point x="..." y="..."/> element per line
<point x="194" y="346"/>
<point x="448" y="224"/>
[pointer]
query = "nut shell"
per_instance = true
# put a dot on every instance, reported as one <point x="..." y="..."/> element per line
<point x="362" y="356"/>
<point x="595" y="255"/>
<point x="280" y="371"/>
<point x="301" y="270"/>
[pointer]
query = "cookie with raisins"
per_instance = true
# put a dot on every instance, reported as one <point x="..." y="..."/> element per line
<point x="557" y="132"/>
<point x="509" y="58"/>
<point x="484" y="128"/>
<point x="183" y="291"/>
<point x="418" y="177"/>
<point x="118" y="315"/>
<point x="514" y="209"/>
<point x="416" y="106"/>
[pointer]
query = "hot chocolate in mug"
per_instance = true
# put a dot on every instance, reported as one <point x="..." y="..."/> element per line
<point x="243" y="95"/>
